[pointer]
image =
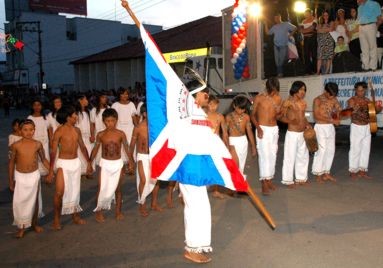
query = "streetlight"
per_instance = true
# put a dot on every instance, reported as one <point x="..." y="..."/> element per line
<point x="300" y="7"/>
<point x="255" y="11"/>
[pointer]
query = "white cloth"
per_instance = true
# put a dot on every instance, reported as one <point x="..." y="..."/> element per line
<point x="241" y="146"/>
<point x="96" y="119"/>
<point x="41" y="135"/>
<point x="110" y="176"/>
<point x="367" y="39"/>
<point x="295" y="156"/>
<point x="326" y="149"/>
<point x="149" y="182"/>
<point x="267" y="148"/>
<point x="24" y="197"/>
<point x="197" y="218"/>
<point x="360" y="145"/>
<point x="72" y="182"/>
<point x="52" y="122"/>
<point x="125" y="121"/>
<point x="83" y="124"/>
<point x="12" y="139"/>
<point x="341" y="29"/>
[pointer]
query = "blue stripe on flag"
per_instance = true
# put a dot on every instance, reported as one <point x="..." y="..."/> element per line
<point x="190" y="171"/>
<point x="156" y="98"/>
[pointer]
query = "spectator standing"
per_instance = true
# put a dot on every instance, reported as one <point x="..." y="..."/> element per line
<point x="308" y="29"/>
<point x="325" y="43"/>
<point x="281" y="31"/>
<point x="353" y="33"/>
<point x="369" y="17"/>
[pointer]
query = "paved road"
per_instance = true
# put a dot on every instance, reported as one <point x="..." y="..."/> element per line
<point x="331" y="225"/>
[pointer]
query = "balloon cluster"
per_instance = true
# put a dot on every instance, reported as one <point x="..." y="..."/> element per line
<point x="239" y="51"/>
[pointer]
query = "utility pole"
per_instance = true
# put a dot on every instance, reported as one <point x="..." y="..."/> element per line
<point x="19" y="25"/>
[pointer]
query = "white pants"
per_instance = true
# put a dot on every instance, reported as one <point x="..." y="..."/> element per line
<point x="72" y="181"/>
<point x="25" y="197"/>
<point x="295" y="156"/>
<point x="326" y="149"/>
<point x="360" y="144"/>
<point x="197" y="218"/>
<point x="267" y="152"/>
<point x="241" y="146"/>
<point x="110" y="177"/>
<point x="149" y="182"/>
<point x="367" y="39"/>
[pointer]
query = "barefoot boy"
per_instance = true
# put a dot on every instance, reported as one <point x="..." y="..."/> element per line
<point x="360" y="134"/>
<point x="326" y="114"/>
<point x="219" y="127"/>
<point x="145" y="184"/>
<point x="24" y="156"/>
<point x="239" y="124"/>
<point x="110" y="174"/>
<point x="296" y="154"/>
<point x="266" y="109"/>
<point x="67" y="138"/>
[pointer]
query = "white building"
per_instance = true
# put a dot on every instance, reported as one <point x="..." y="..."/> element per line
<point x="62" y="40"/>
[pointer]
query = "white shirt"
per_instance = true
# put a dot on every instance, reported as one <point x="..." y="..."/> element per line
<point x="125" y="113"/>
<point x="83" y="123"/>
<point x="41" y="127"/>
<point x="96" y="119"/>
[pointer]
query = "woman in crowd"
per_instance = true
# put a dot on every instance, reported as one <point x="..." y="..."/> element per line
<point x="325" y="43"/>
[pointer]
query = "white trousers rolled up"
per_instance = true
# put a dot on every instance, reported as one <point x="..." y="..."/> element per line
<point x="267" y="148"/>
<point x="197" y="218"/>
<point x="241" y="146"/>
<point x="360" y="145"/>
<point x="326" y="149"/>
<point x="295" y="156"/>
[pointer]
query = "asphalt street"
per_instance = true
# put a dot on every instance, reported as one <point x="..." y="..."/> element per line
<point x="320" y="225"/>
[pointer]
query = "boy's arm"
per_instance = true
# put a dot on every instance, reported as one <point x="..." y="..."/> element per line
<point x="225" y="135"/>
<point x="11" y="167"/>
<point x="132" y="145"/>
<point x="50" y="136"/>
<point x="250" y="135"/>
<point x="253" y="117"/>
<point x="95" y="149"/>
<point x="92" y="130"/>
<point x="81" y="144"/>
<point x="41" y="154"/>
<point x="55" y="142"/>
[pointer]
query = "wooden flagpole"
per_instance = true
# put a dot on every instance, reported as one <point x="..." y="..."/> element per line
<point x="257" y="202"/>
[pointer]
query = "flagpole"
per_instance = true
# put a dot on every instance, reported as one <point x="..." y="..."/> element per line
<point x="261" y="208"/>
<point x="125" y="4"/>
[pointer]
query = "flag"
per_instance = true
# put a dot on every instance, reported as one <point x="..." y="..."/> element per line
<point x="182" y="145"/>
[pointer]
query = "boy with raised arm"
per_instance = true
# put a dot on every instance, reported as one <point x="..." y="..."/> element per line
<point x="266" y="110"/>
<point x="23" y="170"/>
<point x="68" y="139"/>
<point x="145" y="184"/>
<point x="110" y="174"/>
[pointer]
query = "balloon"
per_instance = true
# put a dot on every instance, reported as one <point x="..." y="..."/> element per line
<point x="242" y="45"/>
<point x="235" y="55"/>
<point x="233" y="61"/>
<point x="239" y="50"/>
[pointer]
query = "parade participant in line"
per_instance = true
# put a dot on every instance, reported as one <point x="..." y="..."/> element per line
<point x="127" y="112"/>
<point x="266" y="110"/>
<point x="110" y="175"/>
<point x="326" y="114"/>
<point x="83" y="123"/>
<point x="218" y="123"/>
<point x="23" y="168"/>
<point x="68" y="179"/>
<point x="360" y="134"/>
<point x="51" y="118"/>
<point x="145" y="184"/>
<point x="296" y="155"/>
<point x="239" y="125"/>
<point x="96" y="122"/>
<point x="41" y="130"/>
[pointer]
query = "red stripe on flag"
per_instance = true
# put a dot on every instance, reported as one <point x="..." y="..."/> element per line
<point x="239" y="181"/>
<point x="161" y="160"/>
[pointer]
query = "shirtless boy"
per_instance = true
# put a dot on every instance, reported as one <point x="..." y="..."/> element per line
<point x="68" y="178"/>
<point x="24" y="156"/>
<point x="110" y="174"/>
<point x="266" y="110"/>
<point x="238" y="125"/>
<point x="218" y="123"/>
<point x="360" y="134"/>
<point x="326" y="114"/>
<point x="296" y="154"/>
<point x="145" y="184"/>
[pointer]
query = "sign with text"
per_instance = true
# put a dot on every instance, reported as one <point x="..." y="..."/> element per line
<point x="182" y="56"/>
<point x="59" y="6"/>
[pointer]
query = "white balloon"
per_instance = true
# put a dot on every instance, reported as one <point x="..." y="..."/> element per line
<point x="235" y="56"/>
<point x="239" y="50"/>
<point x="242" y="45"/>
<point x="233" y="61"/>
